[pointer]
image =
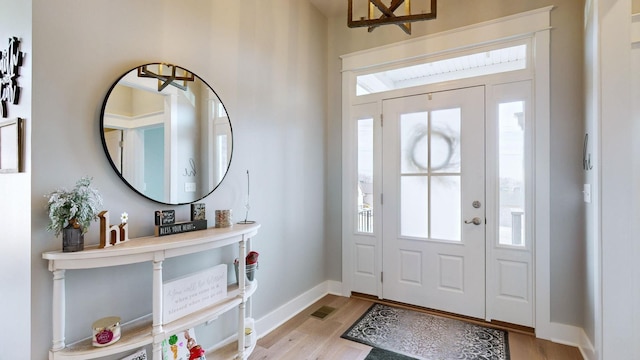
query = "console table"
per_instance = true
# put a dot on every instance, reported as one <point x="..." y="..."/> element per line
<point x="151" y="329"/>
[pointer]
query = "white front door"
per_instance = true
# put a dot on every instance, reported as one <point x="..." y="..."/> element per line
<point x="433" y="187"/>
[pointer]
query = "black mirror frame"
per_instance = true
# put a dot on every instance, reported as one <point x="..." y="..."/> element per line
<point x="114" y="166"/>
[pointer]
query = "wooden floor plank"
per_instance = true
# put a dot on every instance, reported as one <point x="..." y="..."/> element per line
<point x="305" y="337"/>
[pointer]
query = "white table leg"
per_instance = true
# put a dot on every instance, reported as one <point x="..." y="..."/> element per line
<point x="157" y="310"/>
<point x="58" y="305"/>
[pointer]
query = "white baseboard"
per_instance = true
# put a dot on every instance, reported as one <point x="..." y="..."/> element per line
<point x="572" y="336"/>
<point x="279" y="316"/>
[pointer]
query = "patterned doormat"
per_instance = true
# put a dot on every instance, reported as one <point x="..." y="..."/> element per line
<point x="425" y="336"/>
<point x="382" y="354"/>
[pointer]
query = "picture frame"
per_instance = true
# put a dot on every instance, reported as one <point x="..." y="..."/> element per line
<point x="11" y="146"/>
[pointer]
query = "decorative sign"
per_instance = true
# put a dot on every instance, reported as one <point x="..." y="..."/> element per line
<point x="165" y="217"/>
<point x="10" y="62"/>
<point x="186" y="295"/>
<point x="181" y="227"/>
<point x="198" y="211"/>
<point x="112" y="234"/>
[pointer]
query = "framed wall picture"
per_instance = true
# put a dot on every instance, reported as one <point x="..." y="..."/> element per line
<point x="11" y="138"/>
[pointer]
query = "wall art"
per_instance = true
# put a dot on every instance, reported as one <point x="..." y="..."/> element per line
<point x="10" y="62"/>
<point x="11" y="145"/>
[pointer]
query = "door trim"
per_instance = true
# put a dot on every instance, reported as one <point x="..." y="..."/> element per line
<point x="532" y="25"/>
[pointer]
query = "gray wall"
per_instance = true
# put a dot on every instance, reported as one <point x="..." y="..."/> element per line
<point x="266" y="61"/>
<point x="270" y="68"/>
<point x="15" y="197"/>
<point x="617" y="169"/>
<point x="567" y="223"/>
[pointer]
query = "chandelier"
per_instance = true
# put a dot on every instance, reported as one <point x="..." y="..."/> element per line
<point x="378" y="13"/>
<point x="167" y="74"/>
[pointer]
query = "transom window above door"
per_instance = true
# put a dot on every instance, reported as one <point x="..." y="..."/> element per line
<point x="478" y="63"/>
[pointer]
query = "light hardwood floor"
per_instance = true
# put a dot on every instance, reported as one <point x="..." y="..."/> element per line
<point x="307" y="337"/>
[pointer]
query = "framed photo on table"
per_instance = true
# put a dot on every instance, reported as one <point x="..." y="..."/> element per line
<point x="11" y="138"/>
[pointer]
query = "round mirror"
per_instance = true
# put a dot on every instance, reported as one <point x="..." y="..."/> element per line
<point x="166" y="133"/>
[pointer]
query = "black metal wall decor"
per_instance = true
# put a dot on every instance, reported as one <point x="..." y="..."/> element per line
<point x="378" y="13"/>
<point x="10" y="62"/>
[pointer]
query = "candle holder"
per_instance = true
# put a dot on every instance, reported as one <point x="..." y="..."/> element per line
<point x="247" y="206"/>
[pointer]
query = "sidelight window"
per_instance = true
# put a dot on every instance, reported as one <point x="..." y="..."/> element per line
<point x="365" y="176"/>
<point x="511" y="169"/>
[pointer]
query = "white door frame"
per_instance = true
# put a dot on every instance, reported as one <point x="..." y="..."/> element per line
<point x="533" y="25"/>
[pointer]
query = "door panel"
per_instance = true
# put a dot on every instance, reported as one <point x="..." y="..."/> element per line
<point x="433" y="171"/>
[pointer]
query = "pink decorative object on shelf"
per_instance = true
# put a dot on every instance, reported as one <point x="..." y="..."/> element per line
<point x="252" y="258"/>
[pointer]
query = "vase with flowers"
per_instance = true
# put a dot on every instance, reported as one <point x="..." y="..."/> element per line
<point x="71" y="213"/>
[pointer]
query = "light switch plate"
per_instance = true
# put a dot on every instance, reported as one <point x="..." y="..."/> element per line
<point x="586" y="192"/>
<point x="190" y="187"/>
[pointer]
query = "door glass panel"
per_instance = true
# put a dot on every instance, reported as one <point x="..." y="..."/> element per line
<point x="430" y="141"/>
<point x="445" y="140"/>
<point x="414" y="210"/>
<point x="365" y="176"/>
<point x="414" y="146"/>
<point x="445" y="208"/>
<point x="511" y="164"/>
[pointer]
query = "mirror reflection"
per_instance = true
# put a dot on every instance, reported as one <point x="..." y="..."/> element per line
<point x="166" y="133"/>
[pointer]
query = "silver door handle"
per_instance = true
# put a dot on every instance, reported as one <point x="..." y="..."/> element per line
<point x="474" y="221"/>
